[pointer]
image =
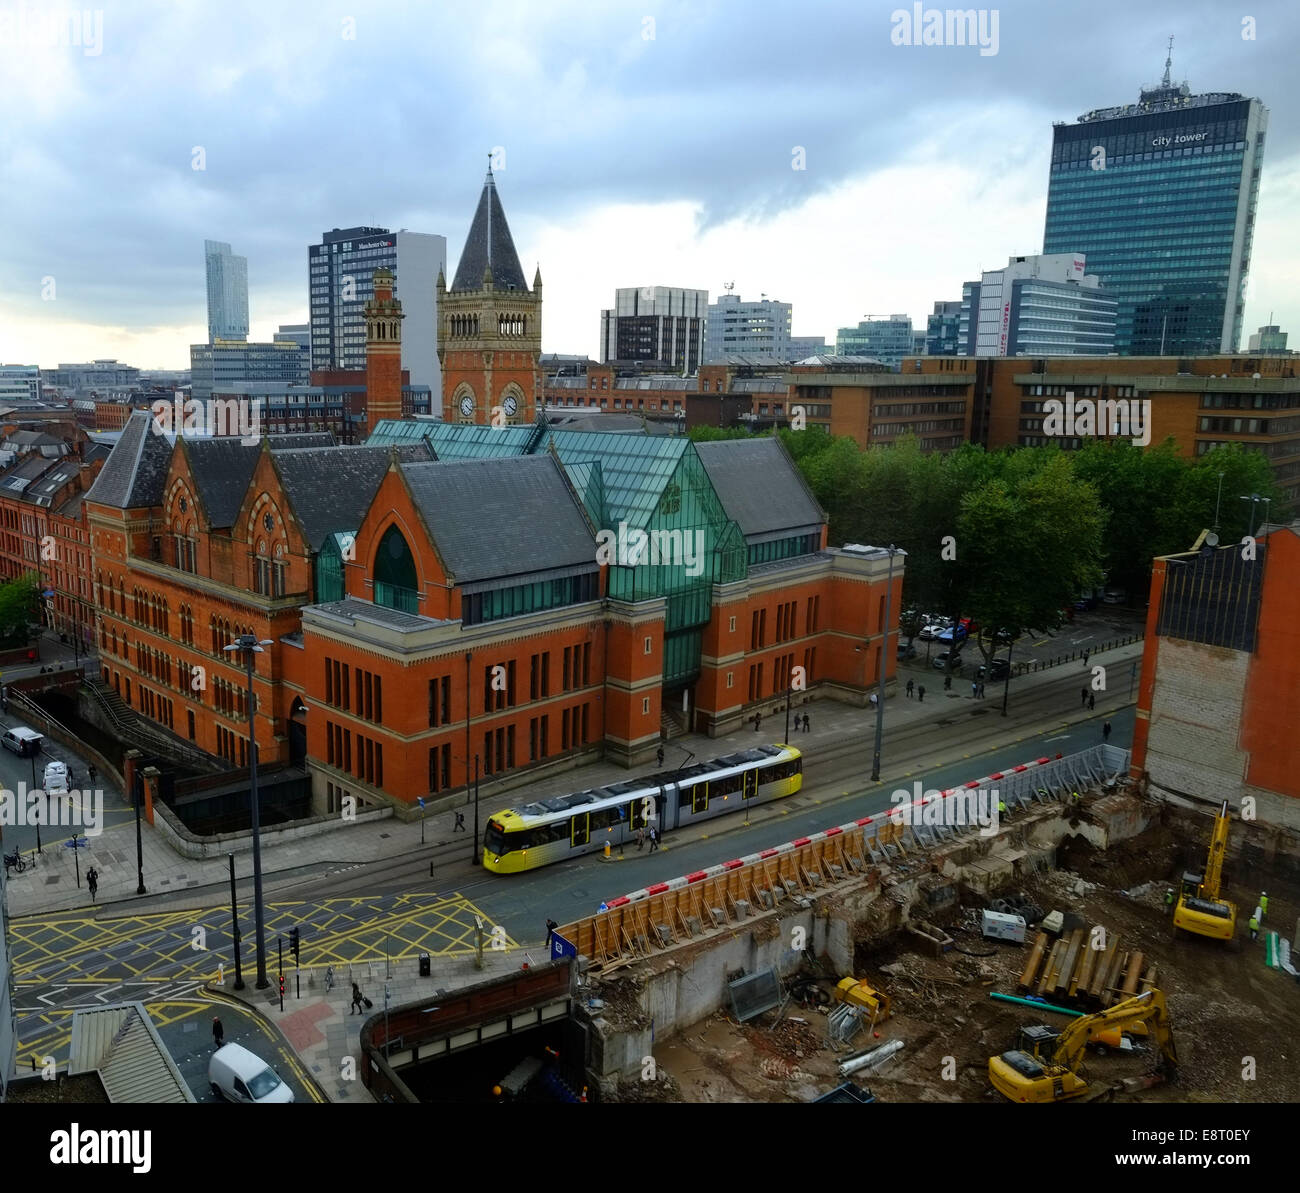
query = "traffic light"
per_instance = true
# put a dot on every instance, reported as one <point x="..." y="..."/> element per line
<point x="293" y="944"/>
<point x="282" y="985"/>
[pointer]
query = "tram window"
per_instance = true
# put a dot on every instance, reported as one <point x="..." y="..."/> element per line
<point x="782" y="770"/>
<point x="494" y="839"/>
<point x="544" y="834"/>
<point x="727" y="786"/>
<point x="605" y="818"/>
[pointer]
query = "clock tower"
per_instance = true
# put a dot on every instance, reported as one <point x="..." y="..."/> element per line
<point x="490" y="326"/>
<point x="383" y="351"/>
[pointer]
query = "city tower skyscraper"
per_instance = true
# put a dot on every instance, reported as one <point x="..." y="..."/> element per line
<point x="1160" y="196"/>
<point x="227" y="292"/>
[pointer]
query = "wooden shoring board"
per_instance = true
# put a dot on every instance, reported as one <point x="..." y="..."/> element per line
<point x="1084" y="978"/>
<point x="1111" y="984"/>
<point x="1069" y="961"/>
<point x="661" y="913"/>
<point x="1053" y="959"/>
<point x="1104" y="963"/>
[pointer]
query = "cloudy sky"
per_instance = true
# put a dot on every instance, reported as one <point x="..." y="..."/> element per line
<point x="645" y="143"/>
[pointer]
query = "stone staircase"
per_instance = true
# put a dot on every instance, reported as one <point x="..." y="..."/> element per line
<point x="139" y="732"/>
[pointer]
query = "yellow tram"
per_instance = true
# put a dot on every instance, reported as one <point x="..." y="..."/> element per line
<point x="563" y="826"/>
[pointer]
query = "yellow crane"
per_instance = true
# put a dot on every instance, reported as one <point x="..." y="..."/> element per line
<point x="1052" y="1071"/>
<point x="1200" y="910"/>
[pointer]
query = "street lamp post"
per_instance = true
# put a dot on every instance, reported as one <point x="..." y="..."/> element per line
<point x="248" y="646"/>
<point x="478" y="857"/>
<point x="139" y="841"/>
<point x="44" y="800"/>
<point x="789" y="692"/>
<point x="884" y="666"/>
<point x="234" y="924"/>
<point x="1006" y="680"/>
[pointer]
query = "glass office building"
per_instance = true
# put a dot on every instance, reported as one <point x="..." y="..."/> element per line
<point x="887" y="340"/>
<point x="1160" y="195"/>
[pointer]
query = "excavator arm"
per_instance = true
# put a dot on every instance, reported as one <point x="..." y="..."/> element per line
<point x="1214" y="864"/>
<point x="1148" y="1008"/>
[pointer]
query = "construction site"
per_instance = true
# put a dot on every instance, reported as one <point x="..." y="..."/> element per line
<point x="1097" y="947"/>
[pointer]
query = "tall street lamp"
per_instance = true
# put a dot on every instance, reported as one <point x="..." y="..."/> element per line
<point x="248" y="646"/>
<point x="884" y="666"/>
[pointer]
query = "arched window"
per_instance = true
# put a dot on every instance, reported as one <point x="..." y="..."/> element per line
<point x="396" y="580"/>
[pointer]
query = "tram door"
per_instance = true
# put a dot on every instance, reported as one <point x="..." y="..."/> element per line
<point x="579" y="828"/>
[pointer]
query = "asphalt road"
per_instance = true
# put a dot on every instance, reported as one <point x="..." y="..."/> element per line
<point x="835" y="790"/>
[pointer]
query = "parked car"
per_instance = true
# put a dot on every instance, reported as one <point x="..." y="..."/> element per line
<point x="1115" y="596"/>
<point x="955" y="633"/>
<point x="906" y="650"/>
<point x="996" y="670"/>
<point x="1085" y="602"/>
<point x="940" y="662"/>
<point x="242" y="1076"/>
<point x="931" y="631"/>
<point x="56" y="778"/>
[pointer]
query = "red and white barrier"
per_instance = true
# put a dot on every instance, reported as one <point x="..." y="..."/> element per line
<point x="673" y="884"/>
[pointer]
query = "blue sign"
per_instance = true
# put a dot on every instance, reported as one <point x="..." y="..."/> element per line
<point x="419" y="801"/>
<point x="561" y="947"/>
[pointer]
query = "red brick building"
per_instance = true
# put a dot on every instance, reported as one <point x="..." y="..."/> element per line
<point x="470" y="591"/>
<point x="1219" y="699"/>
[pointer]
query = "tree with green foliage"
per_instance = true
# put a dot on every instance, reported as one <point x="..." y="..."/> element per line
<point x="1026" y="544"/>
<point x="19" y="610"/>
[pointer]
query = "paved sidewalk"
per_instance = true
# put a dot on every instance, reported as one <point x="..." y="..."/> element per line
<point x="51" y="887"/>
<point x="324" y="1031"/>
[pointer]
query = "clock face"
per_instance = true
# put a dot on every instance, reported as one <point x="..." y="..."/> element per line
<point x="467" y="405"/>
<point x="512" y="407"/>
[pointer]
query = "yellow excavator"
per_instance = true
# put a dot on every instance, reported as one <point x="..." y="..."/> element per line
<point x="1052" y="1070"/>
<point x="1200" y="910"/>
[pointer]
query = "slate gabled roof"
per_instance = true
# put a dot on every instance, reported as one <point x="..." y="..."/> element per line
<point x="222" y="468"/>
<point x="489" y="243"/>
<point x="136" y="469"/>
<point x="760" y="487"/>
<point x="330" y="490"/>
<point x="501" y="517"/>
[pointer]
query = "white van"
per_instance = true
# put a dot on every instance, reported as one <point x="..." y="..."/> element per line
<point x="23" y="742"/>
<point x="239" y="1076"/>
<point x="56" y="778"/>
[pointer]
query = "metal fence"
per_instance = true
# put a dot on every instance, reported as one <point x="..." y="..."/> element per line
<point x="1028" y="667"/>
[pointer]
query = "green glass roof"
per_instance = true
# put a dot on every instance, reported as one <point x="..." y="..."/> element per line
<point x="634" y="469"/>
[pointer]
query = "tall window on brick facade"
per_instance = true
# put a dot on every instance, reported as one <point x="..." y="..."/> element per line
<point x="439" y="701"/>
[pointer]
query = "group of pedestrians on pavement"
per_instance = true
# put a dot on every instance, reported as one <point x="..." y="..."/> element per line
<point x="919" y="689"/>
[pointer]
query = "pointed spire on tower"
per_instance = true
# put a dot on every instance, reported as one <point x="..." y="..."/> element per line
<point x="489" y="245"/>
<point x="1165" y="82"/>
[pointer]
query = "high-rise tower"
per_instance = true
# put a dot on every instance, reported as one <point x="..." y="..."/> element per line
<point x="383" y="352"/>
<point x="1160" y="196"/>
<point x="227" y="292"/>
<point x="490" y="326"/>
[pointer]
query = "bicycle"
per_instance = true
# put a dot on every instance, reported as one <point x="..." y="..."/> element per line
<point x="16" y="861"/>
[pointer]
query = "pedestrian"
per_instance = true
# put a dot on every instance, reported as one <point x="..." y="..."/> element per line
<point x="460" y="823"/>
<point x="980" y="693"/>
<point x="1254" y="928"/>
<point x="1076" y="799"/>
<point x="1105" y="731"/>
<point x="358" y="1000"/>
<point x="1083" y="697"/>
<point x="659" y="756"/>
<point x="1002" y="807"/>
<point x="1092" y="701"/>
<point x="947" y="683"/>
<point x="1263" y="905"/>
<point x="218" y="1032"/>
<point x="974" y="689"/>
<point x="920" y="693"/>
<point x="1169" y="900"/>
<point x="910" y="686"/>
<point x="640" y="839"/>
<point x="92" y="881"/>
<point x="758" y="720"/>
<point x="1086" y="653"/>
<point x="90" y="770"/>
<point x="807" y="728"/>
<point x="551" y="925"/>
<point x="654" y="838"/>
